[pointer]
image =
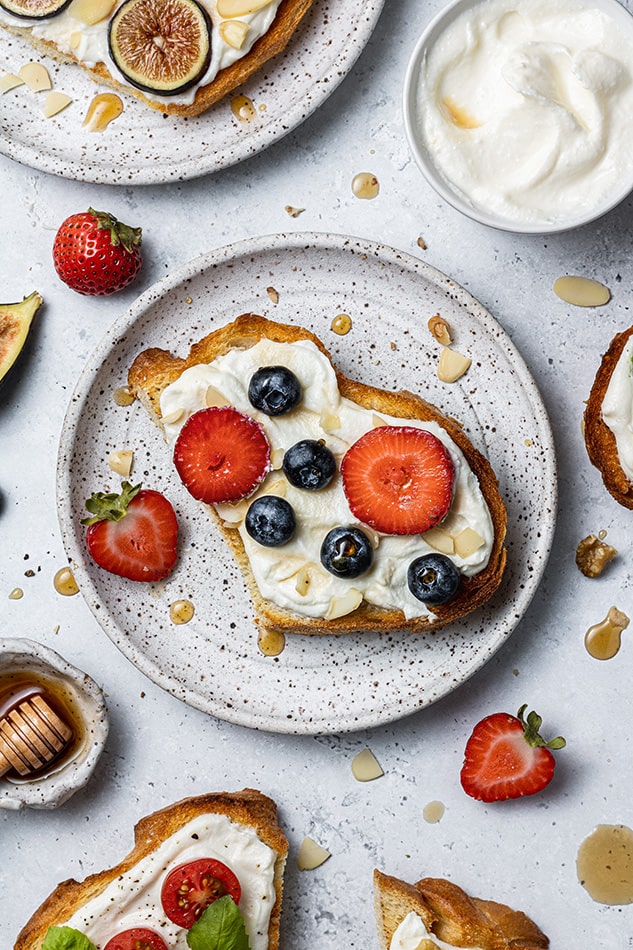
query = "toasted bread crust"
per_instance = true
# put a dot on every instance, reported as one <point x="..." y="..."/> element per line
<point x="274" y="41"/>
<point x="599" y="439"/>
<point x="154" y="369"/>
<point x="248" y="807"/>
<point x="449" y="913"/>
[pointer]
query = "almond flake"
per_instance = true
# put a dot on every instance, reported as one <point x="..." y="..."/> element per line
<point x="35" y="76"/>
<point x="452" y="365"/>
<point x="121" y="462"/>
<point x="329" y="421"/>
<point x="214" y="398"/>
<point x="234" y="32"/>
<point x="55" y="102"/>
<point x="302" y="583"/>
<point x="273" y="294"/>
<point x="340" y="606"/>
<point x="91" y="11"/>
<point x="582" y="291"/>
<point x="311" y="855"/>
<point x="9" y="81"/>
<point x="365" y="766"/>
<point x="467" y="542"/>
<point x="293" y="212"/>
<point x="440" y="540"/>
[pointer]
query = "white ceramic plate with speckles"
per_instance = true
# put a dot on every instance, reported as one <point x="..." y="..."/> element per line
<point x="317" y="684"/>
<point x="144" y="146"/>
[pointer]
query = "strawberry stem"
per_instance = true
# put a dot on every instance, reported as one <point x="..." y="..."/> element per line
<point x="531" y="731"/>
<point x="120" y="233"/>
<point x="110" y="506"/>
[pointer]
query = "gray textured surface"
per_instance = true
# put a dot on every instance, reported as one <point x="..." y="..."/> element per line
<point x="159" y="749"/>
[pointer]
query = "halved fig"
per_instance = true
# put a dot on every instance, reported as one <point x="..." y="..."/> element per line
<point x="34" y="9"/>
<point x="161" y="46"/>
<point x="15" y="323"/>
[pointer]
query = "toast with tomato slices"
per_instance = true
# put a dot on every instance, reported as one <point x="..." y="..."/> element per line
<point x="439" y="908"/>
<point x="154" y="370"/>
<point x="270" y="44"/>
<point x="243" y="842"/>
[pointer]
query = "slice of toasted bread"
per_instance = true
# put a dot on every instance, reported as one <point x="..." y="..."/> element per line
<point x="246" y="811"/>
<point x="450" y="915"/>
<point x="599" y="439"/>
<point x="155" y="369"/>
<point x="273" y="42"/>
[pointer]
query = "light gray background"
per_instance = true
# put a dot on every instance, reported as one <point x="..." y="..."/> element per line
<point x="159" y="750"/>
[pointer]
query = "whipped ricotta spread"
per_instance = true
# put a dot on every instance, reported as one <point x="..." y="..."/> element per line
<point x="525" y="108"/>
<point x="322" y="414"/>
<point x="133" y="899"/>
<point x="617" y="407"/>
<point x="411" y="934"/>
<point x="89" y="44"/>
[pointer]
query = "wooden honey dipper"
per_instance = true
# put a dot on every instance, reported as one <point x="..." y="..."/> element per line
<point x="31" y="736"/>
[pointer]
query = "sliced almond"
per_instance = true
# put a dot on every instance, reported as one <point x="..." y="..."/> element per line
<point x="365" y="766"/>
<point x="311" y="855"/>
<point x="75" y="39"/>
<point x="292" y="211"/>
<point x="452" y="365"/>
<point x="91" y="11"/>
<point x="440" y="540"/>
<point x="35" y="76"/>
<point x="467" y="542"/>
<point x="231" y="8"/>
<point x="121" y="462"/>
<point x="340" y="606"/>
<point x="582" y="291"/>
<point x="276" y="459"/>
<point x="9" y="81"/>
<point x="329" y="421"/>
<point x="273" y="294"/>
<point x="55" y="102"/>
<point x="440" y="330"/>
<point x="302" y="583"/>
<point x="214" y="398"/>
<point x="173" y="417"/>
<point x="233" y="513"/>
<point x="234" y="32"/>
<point x="277" y="486"/>
<point x="377" y="421"/>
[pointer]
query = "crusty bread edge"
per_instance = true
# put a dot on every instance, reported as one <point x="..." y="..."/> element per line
<point x="248" y="807"/>
<point x="599" y="439"/>
<point x="274" y="41"/>
<point x="154" y="369"/>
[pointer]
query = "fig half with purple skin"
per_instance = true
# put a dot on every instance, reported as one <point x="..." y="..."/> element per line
<point x="34" y="9"/>
<point x="161" y="46"/>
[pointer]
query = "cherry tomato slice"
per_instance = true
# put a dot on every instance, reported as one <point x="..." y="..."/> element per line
<point x="138" y="938"/>
<point x="189" y="889"/>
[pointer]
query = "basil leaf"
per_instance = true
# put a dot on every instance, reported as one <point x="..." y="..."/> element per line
<point x="66" y="938"/>
<point x="221" y="927"/>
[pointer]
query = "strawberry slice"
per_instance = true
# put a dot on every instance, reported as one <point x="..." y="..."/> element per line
<point x="506" y="757"/>
<point x="398" y="479"/>
<point x="133" y="534"/>
<point x="221" y="455"/>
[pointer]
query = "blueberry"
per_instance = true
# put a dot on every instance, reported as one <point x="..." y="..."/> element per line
<point x="433" y="579"/>
<point x="346" y="551"/>
<point x="309" y="464"/>
<point x="270" y="520"/>
<point x="274" y="390"/>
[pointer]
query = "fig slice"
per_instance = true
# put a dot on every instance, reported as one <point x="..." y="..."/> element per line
<point x="161" y="46"/>
<point x="15" y="323"/>
<point x="34" y="9"/>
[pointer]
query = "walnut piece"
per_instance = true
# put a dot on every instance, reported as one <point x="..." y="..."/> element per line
<point x="593" y="555"/>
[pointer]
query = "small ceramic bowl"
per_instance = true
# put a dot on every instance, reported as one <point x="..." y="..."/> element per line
<point x="84" y="708"/>
<point x="413" y="104"/>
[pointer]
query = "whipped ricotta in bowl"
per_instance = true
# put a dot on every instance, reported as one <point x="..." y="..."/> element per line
<point x="520" y="112"/>
<point x="617" y="407"/>
<point x="281" y="572"/>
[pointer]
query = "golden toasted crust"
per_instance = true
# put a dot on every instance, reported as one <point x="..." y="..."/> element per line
<point x="454" y="917"/>
<point x="248" y="807"/>
<point x="274" y="41"/>
<point x="599" y="439"/>
<point x="154" y="369"/>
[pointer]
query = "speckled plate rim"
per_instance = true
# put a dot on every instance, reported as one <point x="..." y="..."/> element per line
<point x="507" y="613"/>
<point x="70" y="158"/>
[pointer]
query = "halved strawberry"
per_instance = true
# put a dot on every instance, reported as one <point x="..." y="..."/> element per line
<point x="398" y="479"/>
<point x="506" y="757"/>
<point x="221" y="454"/>
<point x="133" y="534"/>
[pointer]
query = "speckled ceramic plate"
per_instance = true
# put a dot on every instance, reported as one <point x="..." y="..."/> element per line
<point x="144" y="146"/>
<point x="318" y="684"/>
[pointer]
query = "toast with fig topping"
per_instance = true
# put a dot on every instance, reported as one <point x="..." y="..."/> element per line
<point x="155" y="370"/>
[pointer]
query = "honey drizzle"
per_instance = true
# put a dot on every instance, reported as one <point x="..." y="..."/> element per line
<point x="104" y="108"/>
<point x="243" y="109"/>
<point x="270" y="642"/>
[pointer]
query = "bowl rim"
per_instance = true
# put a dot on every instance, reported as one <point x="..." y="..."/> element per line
<point x="434" y="28"/>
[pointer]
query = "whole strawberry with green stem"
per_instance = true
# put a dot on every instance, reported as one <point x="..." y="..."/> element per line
<point x="95" y="254"/>
<point x="506" y="757"/>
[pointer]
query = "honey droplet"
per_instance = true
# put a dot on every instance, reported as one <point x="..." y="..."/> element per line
<point x="243" y="109"/>
<point x="123" y="396"/>
<point x="181" y="611"/>
<point x="104" y="108"/>
<point x="64" y="582"/>
<point x="16" y="594"/>
<point x="271" y="642"/>
<point x="342" y="324"/>
<point x="365" y="185"/>
<point x="433" y="812"/>
<point x="605" y="864"/>
<point x="602" y="641"/>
